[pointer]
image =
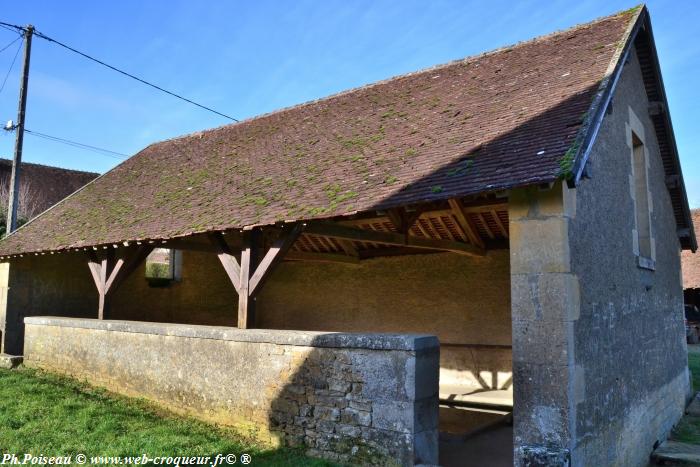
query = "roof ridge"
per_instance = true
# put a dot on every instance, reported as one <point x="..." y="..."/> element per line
<point x="403" y="75"/>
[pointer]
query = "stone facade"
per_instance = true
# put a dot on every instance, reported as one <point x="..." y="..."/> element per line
<point x="357" y="398"/>
<point x="600" y="362"/>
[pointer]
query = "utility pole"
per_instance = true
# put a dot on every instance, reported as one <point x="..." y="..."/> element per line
<point x="19" y="136"/>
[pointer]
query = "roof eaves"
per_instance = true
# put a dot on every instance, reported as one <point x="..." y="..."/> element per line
<point x="671" y="138"/>
<point x="602" y="100"/>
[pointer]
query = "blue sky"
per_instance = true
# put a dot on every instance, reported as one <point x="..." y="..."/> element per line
<point x="248" y="58"/>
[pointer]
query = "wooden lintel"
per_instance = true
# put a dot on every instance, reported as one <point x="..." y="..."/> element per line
<point x="273" y="256"/>
<point x="333" y="230"/>
<point x="228" y="261"/>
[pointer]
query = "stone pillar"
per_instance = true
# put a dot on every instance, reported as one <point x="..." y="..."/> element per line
<point x="545" y="306"/>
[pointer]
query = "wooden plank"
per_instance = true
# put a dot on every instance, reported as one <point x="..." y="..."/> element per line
<point x="465" y="223"/>
<point x="321" y="257"/>
<point x="333" y="230"/>
<point x="228" y="261"/>
<point x="273" y="256"/>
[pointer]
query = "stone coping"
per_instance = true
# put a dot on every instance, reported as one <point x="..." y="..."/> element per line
<point x="372" y="341"/>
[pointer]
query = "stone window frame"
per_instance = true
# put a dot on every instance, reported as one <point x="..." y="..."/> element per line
<point x="635" y="136"/>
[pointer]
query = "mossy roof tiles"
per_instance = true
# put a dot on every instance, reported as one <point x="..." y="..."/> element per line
<point x="495" y="121"/>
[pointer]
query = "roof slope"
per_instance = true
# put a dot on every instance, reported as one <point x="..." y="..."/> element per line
<point x="48" y="184"/>
<point x="690" y="262"/>
<point x="495" y="121"/>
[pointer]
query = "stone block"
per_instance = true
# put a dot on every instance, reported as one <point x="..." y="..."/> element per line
<point x="10" y="361"/>
<point x="540" y="245"/>
<point x="356" y="417"/>
<point x="550" y="297"/>
<point x="543" y="343"/>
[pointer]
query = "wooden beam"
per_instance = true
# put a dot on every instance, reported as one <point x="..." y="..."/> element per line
<point x="246" y="303"/>
<point x="273" y="256"/>
<point x="228" y="261"/>
<point x="499" y="223"/>
<point x="107" y="281"/>
<point x="485" y="224"/>
<point x="347" y="247"/>
<point x="465" y="223"/>
<point x="321" y="257"/>
<point x="131" y="263"/>
<point x="403" y="220"/>
<point x="332" y="230"/>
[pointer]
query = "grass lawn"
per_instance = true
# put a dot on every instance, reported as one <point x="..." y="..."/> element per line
<point x="688" y="429"/>
<point x="49" y="415"/>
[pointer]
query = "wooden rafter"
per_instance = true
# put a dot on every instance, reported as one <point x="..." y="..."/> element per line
<point x="333" y="230"/>
<point x="465" y="223"/>
<point x="487" y="229"/>
<point x="499" y="223"/>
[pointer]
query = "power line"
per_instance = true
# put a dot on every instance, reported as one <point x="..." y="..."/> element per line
<point x="8" y="45"/>
<point x="103" y="151"/>
<point x="143" y="81"/>
<point x="11" y="27"/>
<point x="10" y="69"/>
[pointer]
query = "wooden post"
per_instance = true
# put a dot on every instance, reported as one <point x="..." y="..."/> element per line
<point x="107" y="281"/>
<point x="246" y="303"/>
<point x="19" y="136"/>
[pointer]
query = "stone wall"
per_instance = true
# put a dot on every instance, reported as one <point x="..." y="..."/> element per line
<point x="357" y="398"/>
<point x="629" y="342"/>
<point x="600" y="361"/>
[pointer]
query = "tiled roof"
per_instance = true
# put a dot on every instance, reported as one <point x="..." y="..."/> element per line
<point x="691" y="261"/>
<point x="48" y="185"/>
<point x="490" y="122"/>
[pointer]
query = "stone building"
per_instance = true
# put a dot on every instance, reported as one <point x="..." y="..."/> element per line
<point x="691" y="269"/>
<point x="358" y="273"/>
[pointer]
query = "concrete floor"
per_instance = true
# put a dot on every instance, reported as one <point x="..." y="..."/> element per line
<point x="492" y="447"/>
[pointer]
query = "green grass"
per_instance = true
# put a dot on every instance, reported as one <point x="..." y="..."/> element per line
<point x="694" y="365"/>
<point x="49" y="415"/>
<point x="688" y="429"/>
